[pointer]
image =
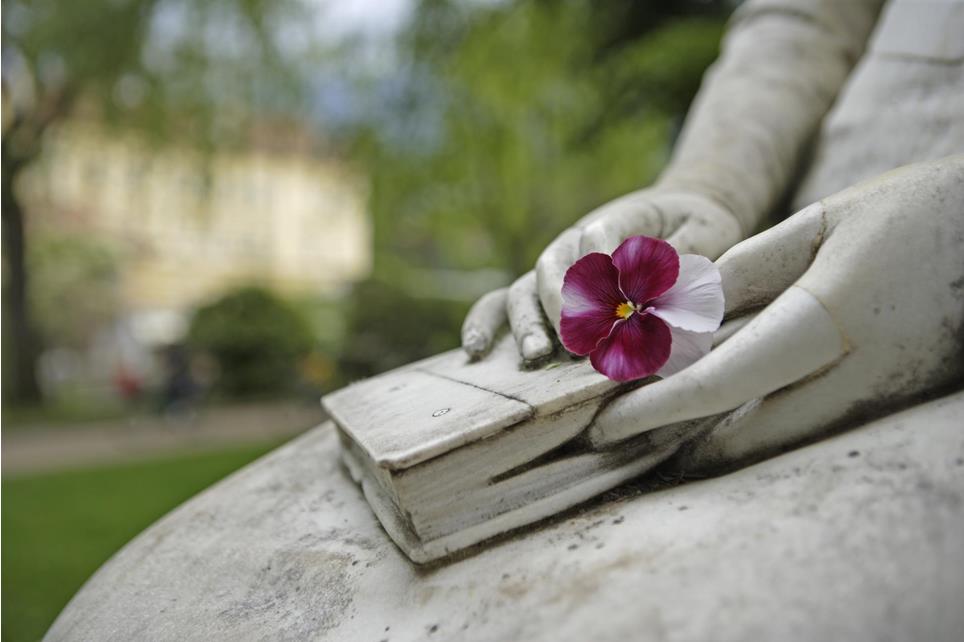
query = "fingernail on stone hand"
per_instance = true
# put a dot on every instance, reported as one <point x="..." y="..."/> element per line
<point x="474" y="342"/>
<point x="535" y="347"/>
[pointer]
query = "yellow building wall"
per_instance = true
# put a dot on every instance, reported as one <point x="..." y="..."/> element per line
<point x="186" y="227"/>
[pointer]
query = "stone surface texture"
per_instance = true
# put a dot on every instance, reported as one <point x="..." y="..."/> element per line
<point x="857" y="537"/>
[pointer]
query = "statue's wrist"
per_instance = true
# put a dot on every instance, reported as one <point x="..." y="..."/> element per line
<point x="712" y="203"/>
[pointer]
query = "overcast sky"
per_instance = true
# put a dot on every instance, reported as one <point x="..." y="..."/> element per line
<point x="370" y="18"/>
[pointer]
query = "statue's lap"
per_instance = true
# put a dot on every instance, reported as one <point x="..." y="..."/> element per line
<point x="850" y="538"/>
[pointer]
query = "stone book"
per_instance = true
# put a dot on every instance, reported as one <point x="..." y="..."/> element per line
<point x="450" y="452"/>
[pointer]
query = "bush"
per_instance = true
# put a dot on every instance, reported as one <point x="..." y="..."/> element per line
<point x="388" y="327"/>
<point x="257" y="339"/>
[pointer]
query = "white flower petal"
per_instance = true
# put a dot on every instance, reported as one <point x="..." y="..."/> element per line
<point x="687" y="348"/>
<point x="695" y="302"/>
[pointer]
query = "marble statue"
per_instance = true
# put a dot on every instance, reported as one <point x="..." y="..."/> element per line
<point x="816" y="99"/>
<point x="849" y="113"/>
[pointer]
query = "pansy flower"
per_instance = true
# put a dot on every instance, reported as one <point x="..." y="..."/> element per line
<point x="646" y="310"/>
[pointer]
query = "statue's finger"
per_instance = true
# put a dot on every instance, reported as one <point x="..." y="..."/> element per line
<point x="551" y="269"/>
<point x="606" y="233"/>
<point x="483" y="321"/>
<point x="526" y="319"/>
<point x="793" y="337"/>
<point x="699" y="235"/>
<point x="760" y="268"/>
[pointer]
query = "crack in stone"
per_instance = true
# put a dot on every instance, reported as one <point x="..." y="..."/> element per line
<point x="478" y="387"/>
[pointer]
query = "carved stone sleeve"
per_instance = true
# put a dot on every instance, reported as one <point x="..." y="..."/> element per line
<point x="783" y="64"/>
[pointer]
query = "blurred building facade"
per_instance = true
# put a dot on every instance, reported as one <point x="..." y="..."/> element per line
<point x="183" y="227"/>
<point x="186" y="226"/>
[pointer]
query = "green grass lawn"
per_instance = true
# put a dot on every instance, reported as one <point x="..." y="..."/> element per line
<point x="58" y="528"/>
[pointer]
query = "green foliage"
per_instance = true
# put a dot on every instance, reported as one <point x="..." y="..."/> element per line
<point x="391" y="328"/>
<point x="194" y="70"/>
<point x="257" y="339"/>
<point x="532" y="130"/>
<point x="58" y="528"/>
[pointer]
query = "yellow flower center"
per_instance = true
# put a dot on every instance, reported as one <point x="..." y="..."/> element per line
<point x="625" y="310"/>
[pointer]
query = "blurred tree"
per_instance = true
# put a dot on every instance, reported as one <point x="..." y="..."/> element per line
<point x="257" y="339"/>
<point x="192" y="70"/>
<point x="514" y="119"/>
<point x="508" y="122"/>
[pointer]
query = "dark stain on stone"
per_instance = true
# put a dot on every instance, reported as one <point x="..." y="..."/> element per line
<point x="854" y="453"/>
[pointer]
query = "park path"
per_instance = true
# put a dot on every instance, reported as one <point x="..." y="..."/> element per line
<point x="42" y="449"/>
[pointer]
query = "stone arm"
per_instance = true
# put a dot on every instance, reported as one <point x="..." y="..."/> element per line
<point x="782" y="65"/>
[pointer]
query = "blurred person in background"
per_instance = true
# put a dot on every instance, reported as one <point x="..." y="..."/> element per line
<point x="128" y="385"/>
<point x="180" y="392"/>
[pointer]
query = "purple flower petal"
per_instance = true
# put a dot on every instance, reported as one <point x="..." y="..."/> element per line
<point x="688" y="347"/>
<point x="647" y="267"/>
<point x="636" y="348"/>
<point x="695" y="303"/>
<point x="590" y="296"/>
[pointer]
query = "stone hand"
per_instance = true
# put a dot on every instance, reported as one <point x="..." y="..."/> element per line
<point x="864" y="312"/>
<point x="688" y="221"/>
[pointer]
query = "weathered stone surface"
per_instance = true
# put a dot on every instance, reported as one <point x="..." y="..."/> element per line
<point x="451" y="451"/>
<point x="855" y="538"/>
<point x="422" y="410"/>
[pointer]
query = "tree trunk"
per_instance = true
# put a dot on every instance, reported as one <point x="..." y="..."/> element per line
<point x="20" y="338"/>
<point x="21" y="145"/>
